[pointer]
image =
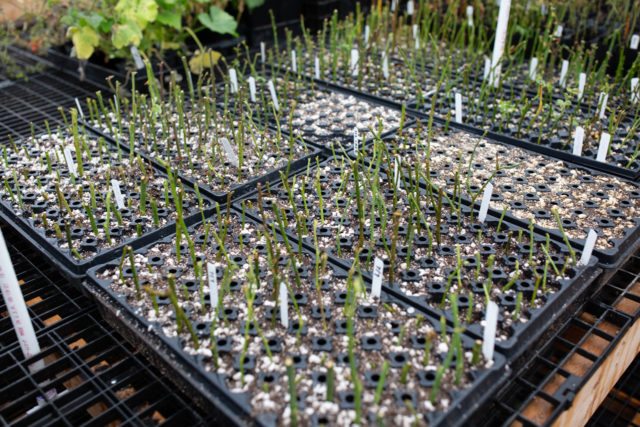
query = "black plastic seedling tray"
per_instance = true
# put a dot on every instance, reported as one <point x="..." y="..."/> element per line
<point x="238" y="190"/>
<point x="632" y="173"/>
<point x="608" y="258"/>
<point x="71" y="267"/>
<point x="209" y="390"/>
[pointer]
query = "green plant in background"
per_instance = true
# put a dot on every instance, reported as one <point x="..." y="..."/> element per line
<point x="152" y="26"/>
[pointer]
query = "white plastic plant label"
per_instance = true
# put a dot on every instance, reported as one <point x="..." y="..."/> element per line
<point x="316" y="67"/>
<point x="602" y="101"/>
<point x="212" y="279"/>
<point x="274" y="97"/>
<point x="385" y="67"/>
<point x="16" y="307"/>
<point x="410" y="8"/>
<point x="603" y="147"/>
<point x="634" y="90"/>
<point x="533" y="68"/>
<point x="376" y="280"/>
<point x="458" y="98"/>
<point x="498" y="45"/>
<point x="396" y="174"/>
<point x="115" y="104"/>
<point x="231" y="155"/>
<point x="543" y="9"/>
<point x="582" y="81"/>
<point x="394" y="3"/>
<point x="367" y="30"/>
<point x="356" y="139"/>
<point x="414" y="29"/>
<point x="486" y="198"/>
<point x="283" y="300"/>
<point x="263" y="54"/>
<point x="115" y="186"/>
<point x="470" y="16"/>
<point x="68" y="158"/>
<point x="490" y="328"/>
<point x="137" y="59"/>
<point x="79" y="108"/>
<point x="589" y="244"/>
<point x="558" y="31"/>
<point x="252" y="88"/>
<point x="577" y="141"/>
<point x="635" y="40"/>
<point x="294" y="61"/>
<point x="233" y="79"/>
<point x="353" y="63"/>
<point x="487" y="68"/>
<point x="563" y="73"/>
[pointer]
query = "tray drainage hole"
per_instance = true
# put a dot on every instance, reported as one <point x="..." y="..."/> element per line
<point x="400" y="358"/>
<point x="349" y="398"/>
<point x="567" y="222"/>
<point x="375" y="377"/>
<point x="222" y="342"/>
<point x="238" y="259"/>
<point x="509" y="298"/>
<point x="201" y="326"/>
<point x="367" y="310"/>
<point x="90" y="240"/>
<point x="322" y="341"/>
<point x="296" y="359"/>
<point x="371" y="341"/>
<point x="462" y="299"/>
<point x="155" y="259"/>
<point x="268" y="378"/>
<point x="405" y="397"/>
<point x="172" y="270"/>
<point x="436" y="286"/>
<point x="421" y="340"/>
<point x="430" y="375"/>
<point x="228" y="311"/>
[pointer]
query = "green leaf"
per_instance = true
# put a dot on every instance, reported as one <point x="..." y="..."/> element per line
<point x="125" y="35"/>
<point x="252" y="4"/>
<point x="171" y="19"/>
<point x="94" y="20"/>
<point x="140" y="11"/>
<point x="84" y="40"/>
<point x="218" y="21"/>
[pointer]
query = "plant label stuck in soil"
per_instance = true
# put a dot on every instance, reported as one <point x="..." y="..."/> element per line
<point x="563" y="73"/>
<point x="484" y="205"/>
<point x="283" y="300"/>
<point x="79" y="109"/>
<point x="272" y="92"/>
<point x="69" y="160"/>
<point x="603" y="147"/>
<point x="212" y="278"/>
<point x="115" y="185"/>
<point x="385" y="67"/>
<point x="581" y="82"/>
<point x="294" y="62"/>
<point x="635" y="40"/>
<point x="233" y="78"/>
<point x="470" y="16"/>
<point x="376" y="281"/>
<point x="577" y="141"/>
<point x="231" y="155"/>
<point x="316" y="67"/>
<point x="490" y="328"/>
<point x="458" y="98"/>
<point x="498" y="46"/>
<point x="356" y="139"/>
<point x="252" y="89"/>
<point x="533" y="68"/>
<point x="589" y="244"/>
<point x="353" y="64"/>
<point x="602" y="101"/>
<point x="262" y="52"/>
<point x="137" y="59"/>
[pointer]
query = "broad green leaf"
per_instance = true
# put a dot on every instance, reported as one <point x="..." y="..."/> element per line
<point x="202" y="61"/>
<point x="85" y="39"/>
<point x="171" y="19"/>
<point x="252" y="4"/>
<point x="94" y="20"/>
<point x="140" y="11"/>
<point x="125" y="35"/>
<point x="218" y="21"/>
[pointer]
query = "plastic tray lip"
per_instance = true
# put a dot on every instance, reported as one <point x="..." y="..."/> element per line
<point x="608" y="258"/>
<point x="606" y="167"/>
<point x="74" y="269"/>
<point x="571" y="289"/>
